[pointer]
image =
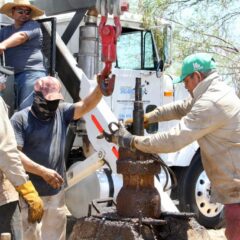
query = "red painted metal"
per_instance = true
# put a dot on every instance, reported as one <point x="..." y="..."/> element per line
<point x="115" y="152"/>
<point x="108" y="35"/>
<point x="97" y="124"/>
<point x="124" y="6"/>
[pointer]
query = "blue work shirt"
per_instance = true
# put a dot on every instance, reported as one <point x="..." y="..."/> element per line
<point x="27" y="56"/>
<point x="44" y="142"/>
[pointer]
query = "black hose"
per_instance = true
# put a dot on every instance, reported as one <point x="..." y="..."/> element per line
<point x="166" y="169"/>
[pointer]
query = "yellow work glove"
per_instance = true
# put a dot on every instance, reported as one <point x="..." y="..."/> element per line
<point x="128" y="122"/>
<point x="35" y="204"/>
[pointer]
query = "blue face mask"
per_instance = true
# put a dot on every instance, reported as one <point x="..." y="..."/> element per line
<point x="42" y="108"/>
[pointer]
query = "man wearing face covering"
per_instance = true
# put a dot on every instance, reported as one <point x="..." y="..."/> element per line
<point x="40" y="132"/>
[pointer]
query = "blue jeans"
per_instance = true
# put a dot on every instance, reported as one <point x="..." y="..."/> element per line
<point x="11" y="221"/>
<point x="24" y="83"/>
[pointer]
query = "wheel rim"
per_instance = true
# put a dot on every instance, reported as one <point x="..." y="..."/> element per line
<point x="202" y="195"/>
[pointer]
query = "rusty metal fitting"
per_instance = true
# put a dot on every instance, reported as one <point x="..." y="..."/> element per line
<point x="138" y="167"/>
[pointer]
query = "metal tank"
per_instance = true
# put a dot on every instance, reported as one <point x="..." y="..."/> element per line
<point x="100" y="184"/>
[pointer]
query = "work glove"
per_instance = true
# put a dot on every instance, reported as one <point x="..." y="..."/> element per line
<point x="129" y="122"/>
<point x="121" y="137"/>
<point x="35" y="204"/>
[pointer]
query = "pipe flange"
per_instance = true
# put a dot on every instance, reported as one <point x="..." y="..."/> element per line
<point x="146" y="167"/>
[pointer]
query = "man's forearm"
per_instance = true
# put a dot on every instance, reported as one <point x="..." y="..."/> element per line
<point x="88" y="103"/>
<point x="50" y="176"/>
<point x="10" y="163"/>
<point x="14" y="40"/>
<point x="170" y="111"/>
<point x="30" y="166"/>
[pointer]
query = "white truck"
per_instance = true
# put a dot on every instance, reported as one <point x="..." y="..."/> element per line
<point x="91" y="168"/>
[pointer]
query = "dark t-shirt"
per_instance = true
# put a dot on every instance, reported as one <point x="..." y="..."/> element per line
<point x="43" y="142"/>
<point x="27" y="56"/>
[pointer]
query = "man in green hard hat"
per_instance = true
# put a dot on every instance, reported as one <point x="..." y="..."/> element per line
<point x="210" y="116"/>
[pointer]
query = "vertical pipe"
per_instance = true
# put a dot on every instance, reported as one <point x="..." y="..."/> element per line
<point x="138" y="197"/>
<point x="53" y="50"/>
<point x="88" y="55"/>
<point x="138" y="113"/>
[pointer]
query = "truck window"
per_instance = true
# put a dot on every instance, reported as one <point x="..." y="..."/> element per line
<point x="135" y="51"/>
<point x="148" y="51"/>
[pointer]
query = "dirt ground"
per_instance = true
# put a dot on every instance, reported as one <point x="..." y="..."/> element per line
<point x="217" y="234"/>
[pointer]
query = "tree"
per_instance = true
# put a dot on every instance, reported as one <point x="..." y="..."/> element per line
<point x="202" y="26"/>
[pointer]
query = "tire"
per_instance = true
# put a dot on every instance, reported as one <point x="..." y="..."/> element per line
<point x="193" y="192"/>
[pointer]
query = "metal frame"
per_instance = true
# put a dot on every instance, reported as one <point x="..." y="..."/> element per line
<point x="52" y="60"/>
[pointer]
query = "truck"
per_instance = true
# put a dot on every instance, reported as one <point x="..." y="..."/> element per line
<point x="141" y="52"/>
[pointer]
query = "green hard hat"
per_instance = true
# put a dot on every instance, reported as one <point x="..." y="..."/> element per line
<point x="198" y="62"/>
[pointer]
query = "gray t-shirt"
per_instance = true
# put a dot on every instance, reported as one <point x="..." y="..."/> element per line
<point x="27" y="56"/>
<point x="44" y="142"/>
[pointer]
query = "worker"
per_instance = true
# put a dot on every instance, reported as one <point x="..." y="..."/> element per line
<point x="21" y="43"/>
<point x="210" y="116"/>
<point x="12" y="178"/>
<point x="40" y="131"/>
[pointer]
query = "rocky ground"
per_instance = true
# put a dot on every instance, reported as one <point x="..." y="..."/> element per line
<point x="214" y="234"/>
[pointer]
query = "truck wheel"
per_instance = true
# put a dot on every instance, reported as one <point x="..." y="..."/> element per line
<point x="194" y="190"/>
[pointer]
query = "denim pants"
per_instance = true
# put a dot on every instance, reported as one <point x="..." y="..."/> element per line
<point x="10" y="220"/>
<point x="24" y="83"/>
